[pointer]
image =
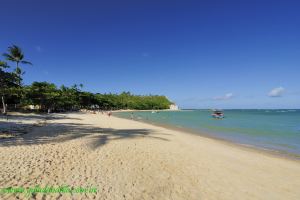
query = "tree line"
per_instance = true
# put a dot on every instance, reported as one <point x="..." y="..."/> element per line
<point x="44" y="96"/>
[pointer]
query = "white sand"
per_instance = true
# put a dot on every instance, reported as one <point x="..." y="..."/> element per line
<point x="126" y="159"/>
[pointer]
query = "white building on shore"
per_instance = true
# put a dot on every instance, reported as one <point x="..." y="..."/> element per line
<point x="174" y="107"/>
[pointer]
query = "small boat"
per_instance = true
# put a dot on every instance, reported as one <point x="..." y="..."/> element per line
<point x="217" y="114"/>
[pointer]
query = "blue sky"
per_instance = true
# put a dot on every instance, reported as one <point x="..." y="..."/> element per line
<point x="201" y="54"/>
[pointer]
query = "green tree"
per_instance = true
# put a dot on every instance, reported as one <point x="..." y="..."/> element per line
<point x="7" y="81"/>
<point x="43" y="94"/>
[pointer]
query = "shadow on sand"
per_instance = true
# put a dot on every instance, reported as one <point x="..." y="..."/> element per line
<point x="29" y="116"/>
<point x="62" y="132"/>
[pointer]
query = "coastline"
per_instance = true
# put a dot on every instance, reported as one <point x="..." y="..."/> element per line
<point x="126" y="159"/>
<point x="272" y="152"/>
<point x="160" y="110"/>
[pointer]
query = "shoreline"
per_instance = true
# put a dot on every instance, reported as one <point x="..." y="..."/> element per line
<point x="162" y="110"/>
<point x="273" y="152"/>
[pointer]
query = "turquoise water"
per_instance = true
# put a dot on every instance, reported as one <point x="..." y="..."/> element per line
<point x="277" y="130"/>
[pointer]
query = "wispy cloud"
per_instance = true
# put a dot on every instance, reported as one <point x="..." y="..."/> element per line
<point x="224" y="97"/>
<point x="276" y="92"/>
<point x="38" y="49"/>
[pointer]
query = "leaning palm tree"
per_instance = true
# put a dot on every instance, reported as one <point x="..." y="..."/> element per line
<point x="15" y="54"/>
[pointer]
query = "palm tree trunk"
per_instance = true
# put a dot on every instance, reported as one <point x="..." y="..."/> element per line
<point x="19" y="76"/>
<point x="4" y="106"/>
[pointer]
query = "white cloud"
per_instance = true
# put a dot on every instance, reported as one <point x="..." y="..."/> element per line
<point x="225" y="97"/>
<point x="276" y="92"/>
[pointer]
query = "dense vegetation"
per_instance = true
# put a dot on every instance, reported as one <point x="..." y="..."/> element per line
<point x="45" y="96"/>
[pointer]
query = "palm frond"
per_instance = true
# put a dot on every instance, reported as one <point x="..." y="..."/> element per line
<point x="26" y="62"/>
<point x="15" y="50"/>
<point x="8" y="57"/>
<point x="15" y="54"/>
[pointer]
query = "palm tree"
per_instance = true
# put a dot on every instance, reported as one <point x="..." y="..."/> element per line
<point x="15" y="54"/>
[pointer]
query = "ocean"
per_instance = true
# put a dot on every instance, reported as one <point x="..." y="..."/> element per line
<point x="275" y="130"/>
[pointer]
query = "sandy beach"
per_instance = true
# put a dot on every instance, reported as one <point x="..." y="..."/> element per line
<point x="126" y="159"/>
